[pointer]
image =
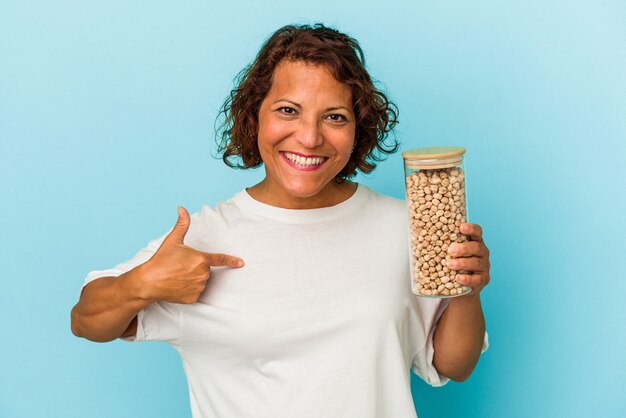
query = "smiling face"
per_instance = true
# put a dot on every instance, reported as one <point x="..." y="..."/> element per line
<point x="305" y="138"/>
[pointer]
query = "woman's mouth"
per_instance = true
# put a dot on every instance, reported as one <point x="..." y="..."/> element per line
<point x="303" y="163"/>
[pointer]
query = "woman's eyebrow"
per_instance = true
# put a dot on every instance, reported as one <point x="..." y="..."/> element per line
<point x="288" y="101"/>
<point x="328" y="109"/>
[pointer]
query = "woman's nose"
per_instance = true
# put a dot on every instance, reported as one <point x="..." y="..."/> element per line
<point x="309" y="134"/>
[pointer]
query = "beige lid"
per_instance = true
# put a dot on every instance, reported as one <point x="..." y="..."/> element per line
<point x="433" y="157"/>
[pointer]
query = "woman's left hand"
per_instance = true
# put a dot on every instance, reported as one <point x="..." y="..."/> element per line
<point x="471" y="256"/>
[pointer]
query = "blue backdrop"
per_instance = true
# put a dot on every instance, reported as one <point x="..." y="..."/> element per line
<point x="106" y="125"/>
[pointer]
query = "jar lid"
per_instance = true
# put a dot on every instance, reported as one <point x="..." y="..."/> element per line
<point x="433" y="157"/>
<point x="433" y="152"/>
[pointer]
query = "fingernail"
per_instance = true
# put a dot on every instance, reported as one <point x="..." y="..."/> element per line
<point x="453" y="249"/>
<point x="239" y="263"/>
<point x="452" y="263"/>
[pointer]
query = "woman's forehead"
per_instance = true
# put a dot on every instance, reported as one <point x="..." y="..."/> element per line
<point x="299" y="78"/>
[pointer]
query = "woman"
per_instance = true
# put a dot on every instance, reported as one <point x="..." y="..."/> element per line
<point x="320" y="320"/>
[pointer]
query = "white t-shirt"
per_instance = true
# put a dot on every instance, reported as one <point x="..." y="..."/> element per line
<point x="320" y="322"/>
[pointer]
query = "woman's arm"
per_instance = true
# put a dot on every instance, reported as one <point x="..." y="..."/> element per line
<point x="460" y="333"/>
<point x="175" y="273"/>
<point x="459" y="337"/>
<point x="108" y="307"/>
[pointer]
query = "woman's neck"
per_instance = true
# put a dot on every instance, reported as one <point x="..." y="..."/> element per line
<point x="332" y="194"/>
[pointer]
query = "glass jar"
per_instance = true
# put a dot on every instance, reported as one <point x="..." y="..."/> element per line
<point x="435" y="196"/>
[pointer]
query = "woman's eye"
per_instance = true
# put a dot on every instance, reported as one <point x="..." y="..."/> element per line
<point x="287" y="110"/>
<point x="336" y="117"/>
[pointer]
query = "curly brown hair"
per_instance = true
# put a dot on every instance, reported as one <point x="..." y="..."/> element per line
<point x="319" y="45"/>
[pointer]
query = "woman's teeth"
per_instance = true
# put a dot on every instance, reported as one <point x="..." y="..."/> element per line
<point x="302" y="161"/>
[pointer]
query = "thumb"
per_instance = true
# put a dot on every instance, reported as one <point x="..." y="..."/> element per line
<point x="177" y="234"/>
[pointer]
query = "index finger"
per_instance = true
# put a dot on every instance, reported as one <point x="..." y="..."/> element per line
<point x="221" y="259"/>
<point x="474" y="231"/>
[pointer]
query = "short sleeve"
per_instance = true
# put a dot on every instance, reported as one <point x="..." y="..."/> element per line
<point x="159" y="321"/>
<point x="141" y="257"/>
<point x="431" y="311"/>
<point x="428" y="311"/>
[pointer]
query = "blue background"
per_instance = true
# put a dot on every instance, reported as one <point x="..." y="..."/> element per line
<point x="106" y="125"/>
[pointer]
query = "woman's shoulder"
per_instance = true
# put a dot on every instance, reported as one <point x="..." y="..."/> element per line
<point x="384" y="201"/>
<point x="221" y="212"/>
<point x="384" y="209"/>
<point x="211" y="224"/>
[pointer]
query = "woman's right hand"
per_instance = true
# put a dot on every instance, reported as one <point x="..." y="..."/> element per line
<point x="178" y="273"/>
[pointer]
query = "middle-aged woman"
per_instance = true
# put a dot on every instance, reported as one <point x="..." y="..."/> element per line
<point x="292" y="298"/>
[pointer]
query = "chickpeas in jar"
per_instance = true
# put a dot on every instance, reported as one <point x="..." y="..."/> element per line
<point x="436" y="202"/>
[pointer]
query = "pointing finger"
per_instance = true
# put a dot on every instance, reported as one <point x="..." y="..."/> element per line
<point x="220" y="259"/>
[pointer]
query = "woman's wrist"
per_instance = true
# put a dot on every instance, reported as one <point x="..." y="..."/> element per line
<point x="469" y="299"/>
<point x="134" y="286"/>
